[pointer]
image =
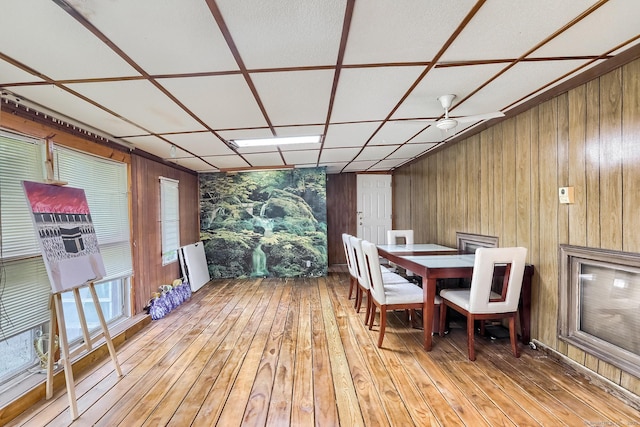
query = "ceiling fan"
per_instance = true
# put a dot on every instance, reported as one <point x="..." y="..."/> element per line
<point x="448" y="123"/>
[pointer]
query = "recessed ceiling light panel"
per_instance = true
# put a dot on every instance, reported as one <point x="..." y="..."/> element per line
<point x="313" y="139"/>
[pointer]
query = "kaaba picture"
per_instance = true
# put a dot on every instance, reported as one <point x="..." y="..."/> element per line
<point x="66" y="235"/>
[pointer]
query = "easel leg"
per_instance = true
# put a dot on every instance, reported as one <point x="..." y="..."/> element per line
<point x="83" y="319"/>
<point x="107" y="336"/>
<point x="64" y="346"/>
<point x="50" y="355"/>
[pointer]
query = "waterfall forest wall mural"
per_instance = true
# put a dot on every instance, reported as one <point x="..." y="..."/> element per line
<point x="264" y="224"/>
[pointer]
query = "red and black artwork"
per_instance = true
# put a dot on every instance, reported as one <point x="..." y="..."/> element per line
<point x="66" y="235"/>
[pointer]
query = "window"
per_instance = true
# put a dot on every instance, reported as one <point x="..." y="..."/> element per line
<point x="599" y="308"/>
<point x="170" y="219"/>
<point x="24" y="284"/>
<point x="468" y="242"/>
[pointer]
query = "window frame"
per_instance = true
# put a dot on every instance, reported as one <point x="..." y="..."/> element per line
<point x="169" y="219"/>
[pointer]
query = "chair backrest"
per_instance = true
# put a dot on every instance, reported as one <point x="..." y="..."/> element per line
<point x="393" y="235"/>
<point x="359" y="262"/>
<point x="483" y="269"/>
<point x="346" y="244"/>
<point x="373" y="272"/>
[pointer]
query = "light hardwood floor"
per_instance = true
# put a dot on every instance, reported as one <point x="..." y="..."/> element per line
<point x="294" y="352"/>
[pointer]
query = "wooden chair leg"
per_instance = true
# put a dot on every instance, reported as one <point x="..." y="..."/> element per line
<point x="471" y="336"/>
<point x="443" y="318"/>
<point x="372" y="315"/>
<point x="368" y="313"/>
<point x="358" y="301"/>
<point x="383" y="324"/>
<point x="513" y="336"/>
<point x="351" y="285"/>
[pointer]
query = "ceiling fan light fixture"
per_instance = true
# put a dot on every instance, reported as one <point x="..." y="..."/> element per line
<point x="446" y="124"/>
<point x="259" y="142"/>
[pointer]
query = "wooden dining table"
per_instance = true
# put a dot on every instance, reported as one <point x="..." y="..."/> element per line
<point x="433" y="262"/>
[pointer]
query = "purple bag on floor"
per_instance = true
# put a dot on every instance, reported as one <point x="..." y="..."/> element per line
<point x="157" y="308"/>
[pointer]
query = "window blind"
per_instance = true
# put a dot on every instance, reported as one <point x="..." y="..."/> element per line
<point x="170" y="219"/>
<point x="106" y="186"/>
<point x="25" y="284"/>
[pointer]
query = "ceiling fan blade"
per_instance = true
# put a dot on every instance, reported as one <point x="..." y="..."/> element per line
<point x="414" y="121"/>
<point x="478" y="117"/>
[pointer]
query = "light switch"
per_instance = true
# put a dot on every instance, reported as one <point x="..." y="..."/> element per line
<point x="566" y="195"/>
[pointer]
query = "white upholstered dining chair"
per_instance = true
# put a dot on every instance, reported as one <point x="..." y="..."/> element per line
<point x="392" y="239"/>
<point x="479" y="302"/>
<point x="364" y="287"/>
<point x="395" y="296"/>
<point x="353" y="276"/>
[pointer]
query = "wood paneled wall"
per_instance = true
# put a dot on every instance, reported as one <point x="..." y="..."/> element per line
<point x="342" y="196"/>
<point x="504" y="182"/>
<point x="146" y="235"/>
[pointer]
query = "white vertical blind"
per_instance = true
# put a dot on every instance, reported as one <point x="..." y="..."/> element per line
<point x="170" y="219"/>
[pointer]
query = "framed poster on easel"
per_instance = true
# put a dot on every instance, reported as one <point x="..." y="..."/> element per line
<point x="71" y="254"/>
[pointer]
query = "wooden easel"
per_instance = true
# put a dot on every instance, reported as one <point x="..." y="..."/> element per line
<point x="57" y="318"/>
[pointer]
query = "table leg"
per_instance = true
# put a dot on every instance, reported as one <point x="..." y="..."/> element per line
<point x="525" y="309"/>
<point x="429" y="291"/>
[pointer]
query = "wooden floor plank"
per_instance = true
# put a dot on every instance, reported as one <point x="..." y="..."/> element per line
<point x="345" y="394"/>
<point x="279" y="412"/>
<point x="302" y="402"/>
<point x="282" y="352"/>
<point x="368" y="398"/>
<point x="257" y="407"/>
<point x="239" y="396"/>
<point x="323" y="387"/>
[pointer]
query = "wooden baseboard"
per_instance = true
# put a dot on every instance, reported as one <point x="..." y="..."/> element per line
<point x="622" y="393"/>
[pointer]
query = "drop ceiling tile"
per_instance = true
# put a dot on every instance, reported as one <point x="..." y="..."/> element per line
<point x="276" y="34"/>
<point x="264" y="159"/>
<point x="613" y="23"/>
<point x="397" y="132"/>
<point x="522" y="80"/>
<point x="9" y="73"/>
<point x="377" y="152"/>
<point x="154" y="145"/>
<point x="401" y="31"/>
<point x="409" y="151"/>
<point x="359" y="166"/>
<point x="295" y="97"/>
<point x="371" y="93"/>
<point x="224" y="162"/>
<point x="142" y="103"/>
<point x="41" y="34"/>
<point x="299" y="130"/>
<point x="349" y="134"/>
<point x="202" y="143"/>
<point x="223" y="102"/>
<point x="163" y="37"/>
<point x="195" y="164"/>
<point x="506" y="29"/>
<point x="338" y="154"/>
<point x="59" y="100"/>
<point x="301" y="157"/>
<point x="387" y="165"/>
